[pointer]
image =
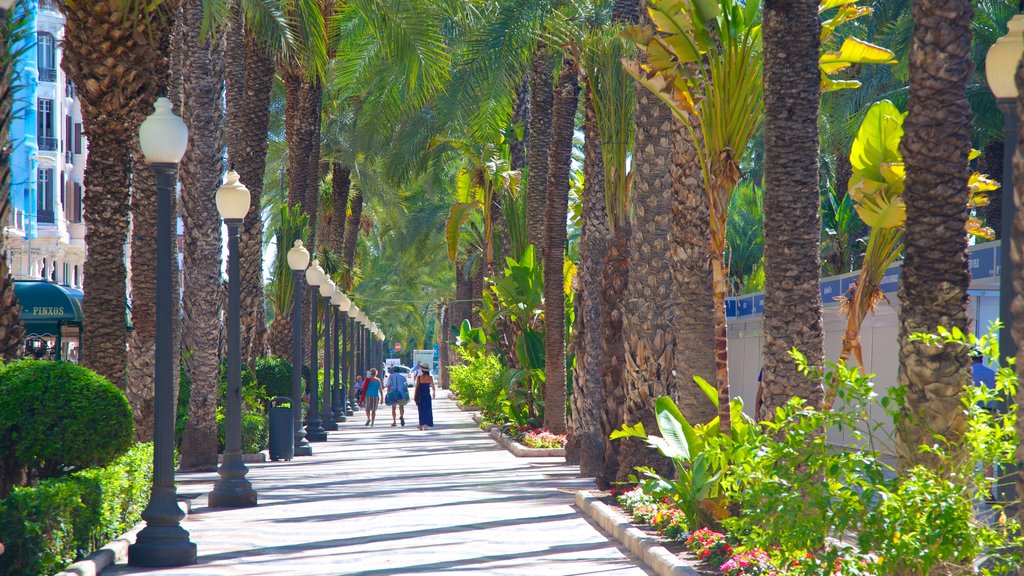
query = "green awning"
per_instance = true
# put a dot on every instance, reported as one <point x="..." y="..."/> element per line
<point x="45" y="306"/>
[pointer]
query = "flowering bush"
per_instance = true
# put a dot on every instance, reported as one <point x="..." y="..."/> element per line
<point x="710" y="546"/>
<point x="751" y="562"/>
<point x="631" y="498"/>
<point x="670" y="521"/>
<point x="538" y="438"/>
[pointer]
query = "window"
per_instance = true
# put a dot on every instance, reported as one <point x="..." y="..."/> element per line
<point x="66" y="145"/>
<point x="44" y="195"/>
<point x="44" y="126"/>
<point x="76" y="203"/>
<point x="46" y="56"/>
<point x="78" y="137"/>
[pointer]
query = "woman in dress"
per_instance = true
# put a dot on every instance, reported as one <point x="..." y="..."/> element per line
<point x="425" y="392"/>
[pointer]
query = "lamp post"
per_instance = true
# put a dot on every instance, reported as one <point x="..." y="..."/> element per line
<point x="337" y="402"/>
<point x="232" y="489"/>
<point x="298" y="259"/>
<point x="327" y="290"/>
<point x="163" y="542"/>
<point x="314" y="426"/>
<point x="352" y="371"/>
<point x="1001" y="71"/>
<point x="346" y="381"/>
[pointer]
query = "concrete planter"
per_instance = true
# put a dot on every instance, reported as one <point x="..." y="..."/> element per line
<point x="480" y="422"/>
<point x="452" y="396"/>
<point x="248" y="458"/>
<point x="521" y="451"/>
<point x="646" y="548"/>
<point x="114" y="552"/>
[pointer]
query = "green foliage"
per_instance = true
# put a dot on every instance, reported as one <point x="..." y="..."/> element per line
<point x="291" y="225"/>
<point x="744" y="236"/>
<point x="255" y="431"/>
<point x="476" y="383"/>
<point x="473" y="340"/>
<point x="699" y="452"/>
<point x="274" y="376"/>
<point x="57" y="417"/>
<point x="796" y="491"/>
<point x="46" y="527"/>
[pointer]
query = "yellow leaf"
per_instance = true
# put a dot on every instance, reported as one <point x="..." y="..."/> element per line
<point x="854" y="51"/>
<point x="975" y="228"/>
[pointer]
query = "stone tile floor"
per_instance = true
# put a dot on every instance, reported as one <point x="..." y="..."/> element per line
<point x="388" y="501"/>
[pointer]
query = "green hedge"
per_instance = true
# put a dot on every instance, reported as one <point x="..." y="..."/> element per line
<point x="476" y="383"/>
<point x="57" y="417"/>
<point x="274" y="376"/>
<point x="49" y="526"/>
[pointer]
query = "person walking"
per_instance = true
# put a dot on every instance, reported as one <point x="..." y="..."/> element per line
<point x="372" y="393"/>
<point x="425" y="392"/>
<point x="397" y="395"/>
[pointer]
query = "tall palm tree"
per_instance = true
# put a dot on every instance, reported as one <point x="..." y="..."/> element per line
<point x="12" y="330"/>
<point x="649" y="332"/>
<point x="792" y="222"/>
<point x="588" y="390"/>
<point x="352" y="226"/>
<point x="541" y="102"/>
<point x="114" y="95"/>
<point x="1017" y="251"/>
<point x="201" y="171"/>
<point x="933" y="288"/>
<point x="563" y="125"/>
<point x="139" y="386"/>
<point x="257" y="37"/>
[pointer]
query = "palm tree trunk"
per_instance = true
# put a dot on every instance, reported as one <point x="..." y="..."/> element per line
<point x="1017" y="252"/>
<point x="352" y="233"/>
<point x="650" y="302"/>
<point x="541" y="99"/>
<point x="12" y="330"/>
<point x="463" y="294"/>
<point x="563" y="124"/>
<point x="201" y="170"/>
<point x="691" y="271"/>
<point x="341" y="185"/>
<point x="249" y="82"/>
<point x="115" y="98"/>
<point x="615" y="281"/>
<point x="588" y="390"/>
<point x="933" y="289"/>
<point x="792" y="220"/>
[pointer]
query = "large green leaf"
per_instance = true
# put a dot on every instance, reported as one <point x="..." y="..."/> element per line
<point x="530" y="349"/>
<point x="457" y="216"/>
<point x="709" y="391"/>
<point x="673" y="442"/>
<point x="665" y="408"/>
<point x="627" y="431"/>
<point x="877" y="141"/>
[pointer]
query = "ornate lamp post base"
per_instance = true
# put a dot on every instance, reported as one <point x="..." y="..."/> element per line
<point x="232" y="489"/>
<point x="163" y="542"/>
<point x="304" y="449"/>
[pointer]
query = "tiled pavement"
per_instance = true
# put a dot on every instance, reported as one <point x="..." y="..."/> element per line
<point x="389" y="501"/>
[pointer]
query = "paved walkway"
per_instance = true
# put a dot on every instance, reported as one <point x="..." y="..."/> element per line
<point x="388" y="501"/>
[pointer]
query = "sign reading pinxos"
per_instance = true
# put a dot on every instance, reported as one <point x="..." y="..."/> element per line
<point x="47" y="311"/>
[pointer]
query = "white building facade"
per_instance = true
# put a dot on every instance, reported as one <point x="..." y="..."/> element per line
<point x="45" y="232"/>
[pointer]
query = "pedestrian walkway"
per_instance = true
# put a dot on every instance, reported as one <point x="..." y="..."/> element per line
<point x="389" y="501"/>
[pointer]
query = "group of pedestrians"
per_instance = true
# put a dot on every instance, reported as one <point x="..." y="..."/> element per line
<point x="395" y="393"/>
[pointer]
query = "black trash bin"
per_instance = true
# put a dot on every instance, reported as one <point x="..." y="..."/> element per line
<point x="282" y="432"/>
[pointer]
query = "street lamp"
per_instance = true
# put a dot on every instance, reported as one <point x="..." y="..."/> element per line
<point x="298" y="259"/>
<point x="337" y="404"/>
<point x="163" y="542"/>
<point x="232" y="489"/>
<point x="350" y="315"/>
<point x="1001" y="72"/>
<point x="327" y="289"/>
<point x="346" y="380"/>
<point x="314" y="428"/>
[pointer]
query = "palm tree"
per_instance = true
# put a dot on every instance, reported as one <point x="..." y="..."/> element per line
<point x="933" y="287"/>
<point x="115" y="97"/>
<point x="650" y="300"/>
<point x="291" y="225"/>
<point x="257" y="37"/>
<point x="563" y="124"/>
<point x="12" y="331"/>
<point x="1017" y="251"/>
<point x="201" y="170"/>
<point x="792" y="223"/>
<point x="541" y="102"/>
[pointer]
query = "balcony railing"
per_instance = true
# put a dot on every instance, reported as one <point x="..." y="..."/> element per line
<point x="47" y="74"/>
<point x="45" y="216"/>
<point x="50" y="5"/>
<point x="47" y="144"/>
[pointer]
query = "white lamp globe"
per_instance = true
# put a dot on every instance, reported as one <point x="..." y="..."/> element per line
<point x="337" y="297"/>
<point x="314" y="274"/>
<point x="344" y="304"/>
<point x="327" y="288"/>
<point x="298" y="257"/>
<point x="1002" y="58"/>
<point x="233" y="198"/>
<point x="163" y="136"/>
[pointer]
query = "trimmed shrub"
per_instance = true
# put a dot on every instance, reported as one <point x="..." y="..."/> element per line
<point x="49" y="526"/>
<point x="255" y="431"/>
<point x="274" y="376"/>
<point x="57" y="417"/>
